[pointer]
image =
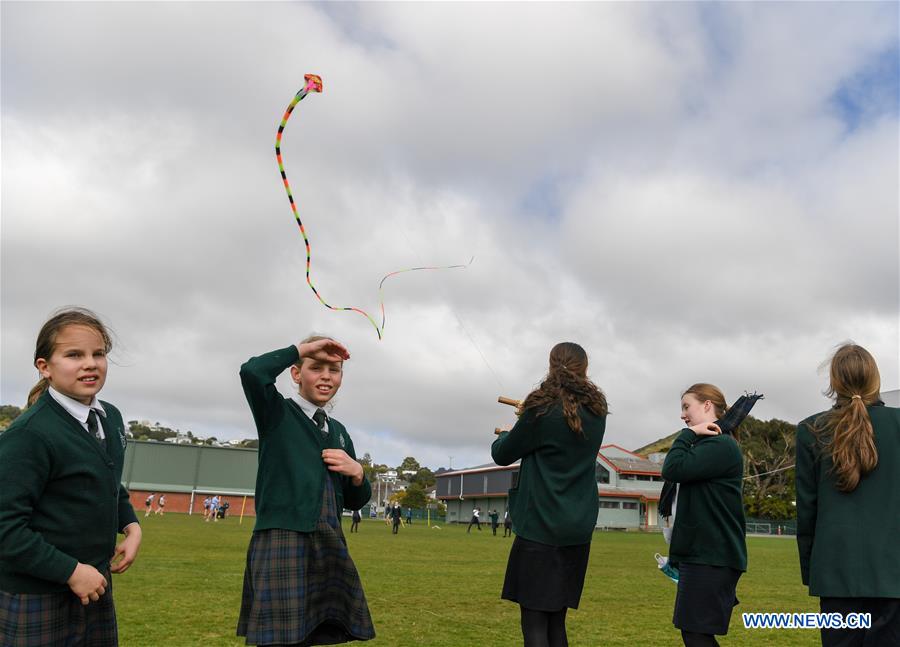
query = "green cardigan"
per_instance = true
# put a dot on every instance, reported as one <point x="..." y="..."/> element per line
<point x="61" y="497"/>
<point x="555" y="501"/>
<point x="709" y="517"/>
<point x="849" y="542"/>
<point x="291" y="476"/>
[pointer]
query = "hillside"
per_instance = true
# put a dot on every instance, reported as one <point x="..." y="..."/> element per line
<point x="768" y="449"/>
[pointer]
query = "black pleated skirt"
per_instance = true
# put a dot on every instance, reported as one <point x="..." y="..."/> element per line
<point x="544" y="577"/>
<point x="705" y="598"/>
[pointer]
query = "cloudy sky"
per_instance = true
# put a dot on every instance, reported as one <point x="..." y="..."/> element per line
<point x="693" y="192"/>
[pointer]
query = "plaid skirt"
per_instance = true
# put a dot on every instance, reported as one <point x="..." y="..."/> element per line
<point x="57" y="620"/>
<point x="302" y="588"/>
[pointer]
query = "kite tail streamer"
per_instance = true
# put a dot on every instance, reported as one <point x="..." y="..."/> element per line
<point x="314" y="84"/>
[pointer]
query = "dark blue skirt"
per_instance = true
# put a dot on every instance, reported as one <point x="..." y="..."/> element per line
<point x="302" y="588"/>
<point x="705" y="598"/>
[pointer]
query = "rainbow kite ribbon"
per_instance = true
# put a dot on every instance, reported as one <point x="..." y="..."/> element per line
<point x="314" y="84"/>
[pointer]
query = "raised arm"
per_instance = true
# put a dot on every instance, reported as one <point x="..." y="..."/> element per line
<point x="258" y="375"/>
<point x="521" y="440"/>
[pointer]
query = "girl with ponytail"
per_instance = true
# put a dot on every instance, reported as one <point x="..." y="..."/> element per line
<point x="848" y="502"/>
<point x="707" y="543"/>
<point x="554" y="506"/>
<point x="62" y="502"/>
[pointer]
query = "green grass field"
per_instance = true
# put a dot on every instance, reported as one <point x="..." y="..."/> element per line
<point x="431" y="587"/>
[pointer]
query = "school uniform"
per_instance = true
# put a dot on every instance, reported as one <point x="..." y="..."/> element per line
<point x="300" y="585"/>
<point x="396" y="514"/>
<point x="708" y="543"/>
<point x="554" y="507"/>
<point x="61" y="503"/>
<point x="848" y="540"/>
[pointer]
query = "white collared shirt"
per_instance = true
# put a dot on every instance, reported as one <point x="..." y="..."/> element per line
<point x="78" y="410"/>
<point x="309" y="408"/>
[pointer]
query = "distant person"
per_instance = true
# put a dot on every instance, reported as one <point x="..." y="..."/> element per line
<point x="207" y="502"/>
<point x="148" y="504"/>
<point x="308" y="474"/>
<point x="373" y="513"/>
<point x="555" y="505"/>
<point x="213" y="509"/>
<point x="355" y="519"/>
<point x="848" y="490"/>
<point x="707" y="542"/>
<point x="396" y="517"/>
<point x="62" y="502"/>
<point x="474" y="520"/>
<point x="161" y="505"/>
<point x="495" y="517"/>
<point x="507" y="524"/>
<point x="409" y="516"/>
<point x="223" y="508"/>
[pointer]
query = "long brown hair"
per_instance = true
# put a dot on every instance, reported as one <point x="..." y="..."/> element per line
<point x="854" y="383"/>
<point x="567" y="384"/>
<point x="704" y="391"/>
<point x="46" y="340"/>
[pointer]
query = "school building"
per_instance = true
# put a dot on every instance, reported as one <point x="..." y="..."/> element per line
<point x="187" y="474"/>
<point x="628" y="486"/>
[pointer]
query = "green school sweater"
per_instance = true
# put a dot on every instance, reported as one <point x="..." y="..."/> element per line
<point x="61" y="497"/>
<point x="709" y="517"/>
<point x="290" y="479"/>
<point x="848" y="541"/>
<point x="555" y="501"/>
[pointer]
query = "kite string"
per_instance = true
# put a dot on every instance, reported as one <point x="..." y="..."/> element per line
<point x="457" y="317"/>
<point x="314" y="84"/>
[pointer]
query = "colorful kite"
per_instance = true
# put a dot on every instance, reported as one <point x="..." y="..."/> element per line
<point x="314" y="84"/>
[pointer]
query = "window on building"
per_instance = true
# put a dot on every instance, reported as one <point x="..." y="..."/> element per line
<point x="484" y="491"/>
<point x="629" y="505"/>
<point x="644" y="477"/>
<point x="612" y="505"/>
<point x="602" y="474"/>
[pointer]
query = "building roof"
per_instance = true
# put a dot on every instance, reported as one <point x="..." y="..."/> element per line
<point x="487" y="467"/>
<point x="630" y="463"/>
<point x="629" y="494"/>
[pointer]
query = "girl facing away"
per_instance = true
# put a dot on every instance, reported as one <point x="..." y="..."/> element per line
<point x="848" y="502"/>
<point x="300" y="585"/>
<point x="554" y="506"/>
<point x="708" y="545"/>
<point x="61" y="498"/>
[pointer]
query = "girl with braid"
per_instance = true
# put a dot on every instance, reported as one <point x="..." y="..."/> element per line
<point x="554" y="506"/>
<point x="848" y="502"/>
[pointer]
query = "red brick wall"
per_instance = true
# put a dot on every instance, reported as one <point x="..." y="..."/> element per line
<point x="181" y="502"/>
